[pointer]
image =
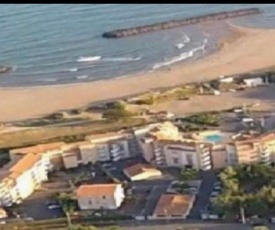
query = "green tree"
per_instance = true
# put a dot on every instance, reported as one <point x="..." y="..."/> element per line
<point x="114" y="228"/>
<point x="247" y="190"/>
<point x="116" y="105"/>
<point x="181" y="188"/>
<point x="80" y="227"/>
<point x="67" y="205"/>
<point x="116" y="114"/>
<point x="189" y="174"/>
<point x="260" y="228"/>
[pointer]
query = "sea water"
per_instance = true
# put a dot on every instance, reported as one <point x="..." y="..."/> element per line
<point x="59" y="43"/>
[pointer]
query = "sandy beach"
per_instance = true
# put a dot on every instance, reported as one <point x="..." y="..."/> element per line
<point x="248" y="50"/>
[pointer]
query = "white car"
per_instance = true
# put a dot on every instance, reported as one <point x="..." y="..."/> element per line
<point x="214" y="194"/>
<point x="54" y="206"/>
<point x="3" y="222"/>
<point x="29" y="219"/>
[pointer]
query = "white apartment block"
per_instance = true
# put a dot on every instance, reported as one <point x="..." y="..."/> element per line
<point x="183" y="154"/>
<point x="100" y="196"/>
<point x="20" y="178"/>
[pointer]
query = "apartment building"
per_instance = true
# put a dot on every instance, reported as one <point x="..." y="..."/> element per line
<point x="21" y="177"/>
<point x="91" y="151"/>
<point x="52" y="151"/>
<point x="165" y="146"/>
<point x="182" y="154"/>
<point x="103" y="147"/>
<point x="218" y="156"/>
<point x="148" y="142"/>
<point x="115" y="146"/>
<point x="100" y="196"/>
<point x="251" y="150"/>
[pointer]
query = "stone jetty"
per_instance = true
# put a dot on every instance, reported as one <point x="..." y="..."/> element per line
<point x="178" y="23"/>
<point x="5" y="69"/>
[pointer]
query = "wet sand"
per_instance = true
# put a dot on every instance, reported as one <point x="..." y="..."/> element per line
<point x="248" y="50"/>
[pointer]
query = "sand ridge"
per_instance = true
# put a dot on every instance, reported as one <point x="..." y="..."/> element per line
<point x="252" y="49"/>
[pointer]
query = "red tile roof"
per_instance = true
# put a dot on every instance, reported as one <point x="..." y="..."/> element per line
<point x="170" y="204"/>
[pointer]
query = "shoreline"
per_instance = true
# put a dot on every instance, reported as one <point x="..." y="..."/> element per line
<point x="248" y="52"/>
<point x="235" y="33"/>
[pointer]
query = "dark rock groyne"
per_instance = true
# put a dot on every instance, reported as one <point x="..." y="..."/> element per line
<point x="5" y="69"/>
<point x="177" y="23"/>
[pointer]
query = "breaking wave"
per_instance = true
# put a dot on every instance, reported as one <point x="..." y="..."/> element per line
<point x="108" y="59"/>
<point x="82" y="77"/>
<point x="122" y="59"/>
<point x="182" y="56"/>
<point x="73" y="69"/>
<point x="185" y="40"/>
<point x="47" y="80"/>
<point x="89" y="59"/>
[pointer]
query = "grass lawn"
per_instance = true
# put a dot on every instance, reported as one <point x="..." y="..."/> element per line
<point x="62" y="133"/>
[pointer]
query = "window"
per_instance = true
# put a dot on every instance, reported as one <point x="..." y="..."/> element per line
<point x="104" y="197"/>
<point x="90" y="202"/>
<point x="176" y="160"/>
<point x="189" y="159"/>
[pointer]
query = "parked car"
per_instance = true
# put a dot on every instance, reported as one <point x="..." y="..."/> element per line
<point x="214" y="194"/>
<point x="54" y="206"/>
<point x="28" y="219"/>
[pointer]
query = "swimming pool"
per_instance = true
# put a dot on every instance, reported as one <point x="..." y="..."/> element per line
<point x="214" y="138"/>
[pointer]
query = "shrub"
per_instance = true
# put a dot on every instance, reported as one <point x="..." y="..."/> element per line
<point x="116" y="114"/>
<point x="210" y="119"/>
<point x="115" y="105"/>
<point x="146" y="101"/>
<point x="54" y="116"/>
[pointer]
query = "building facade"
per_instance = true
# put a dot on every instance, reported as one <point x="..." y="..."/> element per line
<point x="100" y="196"/>
<point x="21" y="177"/>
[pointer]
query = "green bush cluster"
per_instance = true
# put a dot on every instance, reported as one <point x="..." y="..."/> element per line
<point x="209" y="119"/>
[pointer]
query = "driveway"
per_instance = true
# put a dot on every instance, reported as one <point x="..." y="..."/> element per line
<point x="152" y="200"/>
<point x="202" y="198"/>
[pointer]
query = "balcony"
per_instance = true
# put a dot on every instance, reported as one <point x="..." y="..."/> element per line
<point x="114" y="150"/>
<point x="265" y="159"/>
<point x="103" y="155"/>
<point x="205" y="154"/>
<point x="265" y="154"/>
<point x="208" y="162"/>
<point x="116" y="158"/>
<point x="208" y="167"/>
<point x="159" y="155"/>
<point x="160" y="162"/>
<point x="117" y="153"/>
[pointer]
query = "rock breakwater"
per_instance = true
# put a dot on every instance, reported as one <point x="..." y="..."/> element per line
<point x="5" y="69"/>
<point x="178" y="23"/>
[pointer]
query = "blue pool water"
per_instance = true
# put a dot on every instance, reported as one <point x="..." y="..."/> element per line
<point x="214" y="138"/>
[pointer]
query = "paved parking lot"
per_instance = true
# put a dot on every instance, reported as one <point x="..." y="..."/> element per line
<point x="134" y="204"/>
<point x="36" y="207"/>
